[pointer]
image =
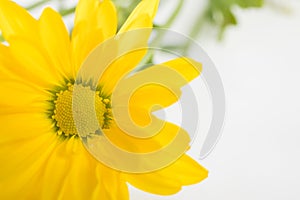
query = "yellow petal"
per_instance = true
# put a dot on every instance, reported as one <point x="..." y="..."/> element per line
<point x="139" y="142"/>
<point x="79" y="182"/>
<point x="15" y="127"/>
<point x="106" y="18"/>
<point x="186" y="67"/>
<point x="154" y="183"/>
<point x="17" y="93"/>
<point x="79" y="176"/>
<point x="159" y="84"/>
<point x="172" y="74"/>
<point x="85" y="10"/>
<point x="132" y="45"/>
<point x="34" y="64"/>
<point x="154" y="97"/>
<point x="8" y="69"/>
<point x="55" y="39"/>
<point x="81" y="47"/>
<point x="18" y="97"/>
<point x="55" y="172"/>
<point x="132" y="144"/>
<point x="146" y="8"/>
<point x="110" y="185"/>
<point x="95" y="21"/>
<point x="187" y="171"/>
<point x="115" y="58"/>
<point x="120" y="68"/>
<point x="167" y="181"/>
<point x="16" y="21"/>
<point x="22" y="164"/>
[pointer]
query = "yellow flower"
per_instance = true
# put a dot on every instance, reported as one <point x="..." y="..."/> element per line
<point x="41" y="154"/>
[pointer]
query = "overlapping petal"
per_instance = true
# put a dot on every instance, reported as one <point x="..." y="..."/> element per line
<point x="23" y="156"/>
<point x="142" y="16"/>
<point x="167" y="181"/>
<point x="55" y="39"/>
<point x="34" y="64"/>
<point x="39" y="56"/>
<point x="28" y="56"/>
<point x="132" y="39"/>
<point x="95" y="22"/>
<point x="145" y="89"/>
<point x="70" y="168"/>
<point x="16" y="21"/>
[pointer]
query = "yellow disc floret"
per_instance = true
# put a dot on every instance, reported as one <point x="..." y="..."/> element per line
<point x="63" y="113"/>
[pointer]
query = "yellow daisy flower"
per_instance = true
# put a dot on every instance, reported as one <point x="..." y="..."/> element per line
<point x="41" y="154"/>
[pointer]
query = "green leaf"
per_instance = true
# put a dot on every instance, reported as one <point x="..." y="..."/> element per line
<point x="219" y="12"/>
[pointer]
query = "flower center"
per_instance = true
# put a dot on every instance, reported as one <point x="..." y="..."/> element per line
<point x="69" y="106"/>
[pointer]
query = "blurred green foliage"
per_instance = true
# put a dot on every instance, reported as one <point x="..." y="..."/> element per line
<point x="220" y="12"/>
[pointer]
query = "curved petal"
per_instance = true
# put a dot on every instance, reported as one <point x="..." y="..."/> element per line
<point x="157" y="85"/>
<point x="138" y="142"/>
<point x="146" y="8"/>
<point x="98" y="14"/>
<point x="132" y="44"/>
<point x="120" y="68"/>
<point x="167" y="181"/>
<point x="79" y="176"/>
<point x="128" y="143"/>
<point x="186" y="67"/>
<point x="187" y="171"/>
<point x="95" y="21"/>
<point x="172" y="74"/>
<point x="16" y="21"/>
<point x="106" y="18"/>
<point x="154" y="97"/>
<point x="55" y="39"/>
<point x="154" y="183"/>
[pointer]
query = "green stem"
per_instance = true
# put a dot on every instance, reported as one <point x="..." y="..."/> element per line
<point x="200" y="20"/>
<point x="37" y="4"/>
<point x="197" y="28"/>
<point x="1" y="38"/>
<point x="174" y="15"/>
<point x="68" y="11"/>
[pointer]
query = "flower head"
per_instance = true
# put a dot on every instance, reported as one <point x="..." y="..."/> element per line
<point x="41" y="152"/>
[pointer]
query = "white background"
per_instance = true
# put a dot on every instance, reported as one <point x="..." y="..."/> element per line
<point x="257" y="157"/>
